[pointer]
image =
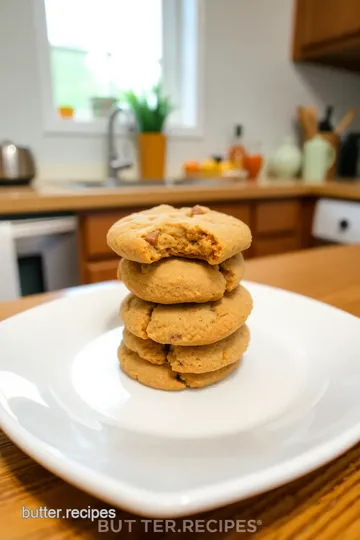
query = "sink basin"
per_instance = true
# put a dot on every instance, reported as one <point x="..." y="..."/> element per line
<point x="147" y="183"/>
<point x="172" y="183"/>
<point x="111" y="183"/>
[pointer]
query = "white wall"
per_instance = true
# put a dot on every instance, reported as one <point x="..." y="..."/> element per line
<point x="248" y="78"/>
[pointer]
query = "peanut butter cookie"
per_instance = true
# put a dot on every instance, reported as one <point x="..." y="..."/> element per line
<point x="149" y="350"/>
<point x="200" y="380"/>
<point x="164" y="231"/>
<point x="159" y="377"/>
<point x="206" y="358"/>
<point x="187" y="324"/>
<point x="175" y="280"/>
<point x="163" y="377"/>
<point x="200" y="359"/>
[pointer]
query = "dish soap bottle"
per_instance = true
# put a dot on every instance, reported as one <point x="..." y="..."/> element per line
<point x="237" y="152"/>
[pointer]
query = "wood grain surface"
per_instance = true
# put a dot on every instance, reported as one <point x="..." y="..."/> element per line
<point x="46" y="198"/>
<point x="324" y="505"/>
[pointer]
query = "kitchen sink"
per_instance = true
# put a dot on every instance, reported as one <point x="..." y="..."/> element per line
<point x="171" y="183"/>
<point x="146" y="183"/>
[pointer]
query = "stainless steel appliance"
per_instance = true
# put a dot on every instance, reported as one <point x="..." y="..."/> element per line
<point x="17" y="164"/>
<point x="37" y="255"/>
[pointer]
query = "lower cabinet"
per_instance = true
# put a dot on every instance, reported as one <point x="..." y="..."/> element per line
<point x="277" y="217"/>
<point x="277" y="227"/>
<point x="97" y="271"/>
<point x="238" y="210"/>
<point x="274" y="246"/>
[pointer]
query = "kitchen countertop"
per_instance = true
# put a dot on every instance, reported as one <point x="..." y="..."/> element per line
<point x="57" y="198"/>
<point x="324" y="504"/>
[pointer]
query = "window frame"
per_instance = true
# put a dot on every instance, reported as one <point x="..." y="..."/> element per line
<point x="54" y="125"/>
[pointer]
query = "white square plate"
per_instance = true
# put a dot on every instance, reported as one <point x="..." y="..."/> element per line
<point x="293" y="404"/>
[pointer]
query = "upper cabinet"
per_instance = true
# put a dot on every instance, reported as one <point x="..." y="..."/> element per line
<point x="328" y="32"/>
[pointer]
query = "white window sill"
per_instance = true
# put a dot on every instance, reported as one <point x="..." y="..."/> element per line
<point x="99" y="127"/>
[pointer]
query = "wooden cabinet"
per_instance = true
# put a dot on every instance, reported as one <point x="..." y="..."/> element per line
<point x="97" y="261"/>
<point x="238" y="210"/>
<point x="277" y="216"/>
<point x="277" y="226"/>
<point x="325" y="21"/>
<point x="97" y="271"/>
<point x="94" y="229"/>
<point x="328" y="31"/>
<point x="274" y="245"/>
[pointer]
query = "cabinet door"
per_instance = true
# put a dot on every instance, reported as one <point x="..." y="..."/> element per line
<point x="320" y="22"/>
<point x="277" y="216"/>
<point x="95" y="272"/>
<point x="236" y="209"/>
<point x="274" y="245"/>
<point x="94" y="227"/>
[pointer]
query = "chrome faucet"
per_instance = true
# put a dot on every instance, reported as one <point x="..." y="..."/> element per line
<point x="115" y="163"/>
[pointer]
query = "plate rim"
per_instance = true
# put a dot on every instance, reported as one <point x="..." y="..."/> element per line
<point x="172" y="505"/>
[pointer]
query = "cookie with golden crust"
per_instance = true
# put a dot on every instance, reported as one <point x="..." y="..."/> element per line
<point x="200" y="359"/>
<point x="200" y="380"/>
<point x="187" y="324"/>
<point x="159" y="377"/>
<point x="136" y="315"/>
<point x="163" y="377"/>
<point x="206" y="358"/>
<point x="164" y="231"/>
<point x="178" y="280"/>
<point x="149" y="350"/>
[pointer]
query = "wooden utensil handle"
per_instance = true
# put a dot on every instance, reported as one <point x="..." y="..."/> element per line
<point x="345" y="121"/>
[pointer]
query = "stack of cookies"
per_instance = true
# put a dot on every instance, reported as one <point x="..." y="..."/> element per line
<point x="185" y="317"/>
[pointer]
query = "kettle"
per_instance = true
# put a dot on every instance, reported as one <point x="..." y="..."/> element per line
<point x="17" y="165"/>
<point x="286" y="161"/>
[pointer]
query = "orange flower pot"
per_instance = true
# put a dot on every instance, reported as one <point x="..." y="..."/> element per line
<point x="152" y="155"/>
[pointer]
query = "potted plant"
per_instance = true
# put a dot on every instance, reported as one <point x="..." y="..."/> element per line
<point x="150" y="111"/>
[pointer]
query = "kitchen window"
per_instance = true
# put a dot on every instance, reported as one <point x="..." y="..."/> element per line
<point x="91" y="51"/>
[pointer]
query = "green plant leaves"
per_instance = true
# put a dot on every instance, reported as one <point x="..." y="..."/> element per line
<point x="150" y="110"/>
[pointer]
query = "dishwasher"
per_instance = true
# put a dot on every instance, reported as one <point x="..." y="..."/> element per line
<point x="336" y="222"/>
<point x="37" y="256"/>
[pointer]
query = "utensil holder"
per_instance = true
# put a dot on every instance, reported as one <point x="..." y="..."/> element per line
<point x="334" y="139"/>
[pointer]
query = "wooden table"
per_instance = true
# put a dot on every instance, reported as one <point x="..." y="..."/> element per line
<point x="323" y="505"/>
